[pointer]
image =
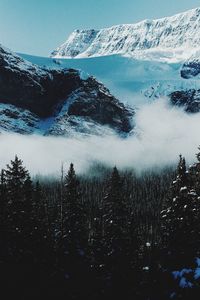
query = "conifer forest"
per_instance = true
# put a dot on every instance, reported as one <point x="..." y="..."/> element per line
<point x="107" y="235"/>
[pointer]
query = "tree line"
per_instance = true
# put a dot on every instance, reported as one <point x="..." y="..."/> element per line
<point x="100" y="237"/>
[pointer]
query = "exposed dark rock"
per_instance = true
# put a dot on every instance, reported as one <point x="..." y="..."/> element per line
<point x="96" y="102"/>
<point x="189" y="99"/>
<point x="190" y="69"/>
<point x="45" y="93"/>
<point x="31" y="87"/>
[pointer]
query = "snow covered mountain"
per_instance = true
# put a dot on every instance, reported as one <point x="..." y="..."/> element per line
<point x="137" y="62"/>
<point x="35" y="99"/>
<point x="168" y="39"/>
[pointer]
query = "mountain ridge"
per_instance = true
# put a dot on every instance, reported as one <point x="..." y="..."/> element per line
<point x="178" y="33"/>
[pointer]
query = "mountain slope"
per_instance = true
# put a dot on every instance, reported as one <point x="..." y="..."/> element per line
<point x="132" y="81"/>
<point x="191" y="67"/>
<point x="171" y="38"/>
<point x="37" y="99"/>
<point x="33" y="87"/>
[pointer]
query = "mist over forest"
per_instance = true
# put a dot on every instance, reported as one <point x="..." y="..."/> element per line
<point x="153" y="144"/>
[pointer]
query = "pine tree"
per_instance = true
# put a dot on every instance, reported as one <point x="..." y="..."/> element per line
<point x="3" y="199"/>
<point x="194" y="172"/>
<point x="16" y="175"/>
<point x="74" y="219"/>
<point x="74" y="235"/>
<point x="19" y="196"/>
<point x="180" y="220"/>
<point x="3" y="215"/>
<point x="116" y="233"/>
<point x="72" y="247"/>
<point x="96" y="241"/>
<point x="40" y="209"/>
<point x="115" y="209"/>
<point x="41" y="232"/>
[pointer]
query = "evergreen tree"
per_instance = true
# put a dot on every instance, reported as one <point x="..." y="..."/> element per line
<point x="74" y="219"/>
<point x="16" y="175"/>
<point x="115" y="210"/>
<point x="96" y="240"/>
<point x="181" y="171"/>
<point x="73" y="244"/>
<point x="3" y="215"/>
<point x="3" y="200"/>
<point x="19" y="196"/>
<point x="116" y="234"/>
<point x="41" y="232"/>
<point x="40" y="209"/>
<point x="194" y="172"/>
<point x="181" y="231"/>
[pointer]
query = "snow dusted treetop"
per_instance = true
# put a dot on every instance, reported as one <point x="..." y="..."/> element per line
<point x="171" y="36"/>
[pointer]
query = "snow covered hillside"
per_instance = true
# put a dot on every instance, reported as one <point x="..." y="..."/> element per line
<point x="168" y="39"/>
<point x="58" y="101"/>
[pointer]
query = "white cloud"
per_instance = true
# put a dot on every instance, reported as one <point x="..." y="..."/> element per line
<point x="162" y="133"/>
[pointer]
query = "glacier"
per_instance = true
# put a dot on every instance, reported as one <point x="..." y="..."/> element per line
<point x="134" y="81"/>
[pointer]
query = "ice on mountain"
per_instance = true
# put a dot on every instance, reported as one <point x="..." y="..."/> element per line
<point x="168" y="39"/>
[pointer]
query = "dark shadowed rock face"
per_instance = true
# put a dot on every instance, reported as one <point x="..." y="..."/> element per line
<point x="47" y="92"/>
<point x="95" y="101"/>
<point x="28" y="86"/>
<point x="190" y="69"/>
<point x="189" y="99"/>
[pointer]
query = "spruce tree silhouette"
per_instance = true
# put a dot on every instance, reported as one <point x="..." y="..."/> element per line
<point x="179" y="221"/>
<point x="118" y="250"/>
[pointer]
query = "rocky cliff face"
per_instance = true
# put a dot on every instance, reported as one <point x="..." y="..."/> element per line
<point x="80" y="40"/>
<point x="191" y="67"/>
<point x="189" y="100"/>
<point x="175" y="37"/>
<point x="48" y="101"/>
<point x="31" y="87"/>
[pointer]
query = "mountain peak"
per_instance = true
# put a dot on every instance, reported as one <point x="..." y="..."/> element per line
<point x="79" y="39"/>
<point x="179" y="33"/>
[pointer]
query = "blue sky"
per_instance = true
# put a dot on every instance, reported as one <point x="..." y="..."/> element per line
<point x="39" y="26"/>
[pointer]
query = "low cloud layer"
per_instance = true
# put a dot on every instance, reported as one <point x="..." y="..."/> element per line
<point x="162" y="133"/>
